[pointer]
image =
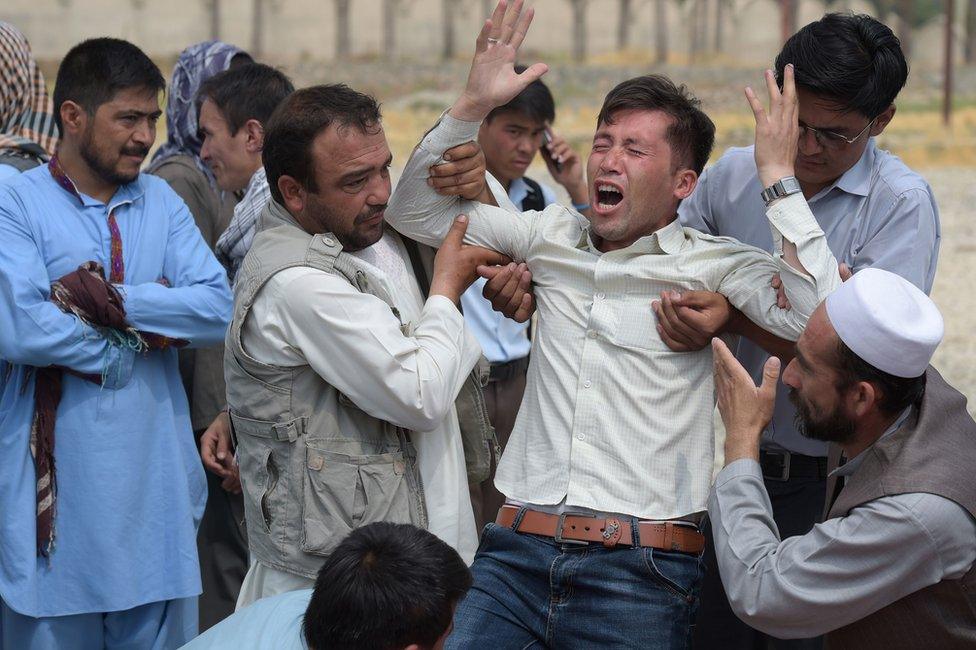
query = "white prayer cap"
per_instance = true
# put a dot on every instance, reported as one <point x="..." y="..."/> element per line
<point x="887" y="321"/>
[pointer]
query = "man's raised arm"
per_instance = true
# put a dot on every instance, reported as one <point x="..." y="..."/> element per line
<point x="415" y="209"/>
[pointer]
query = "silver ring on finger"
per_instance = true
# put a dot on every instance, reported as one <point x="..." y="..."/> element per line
<point x="492" y="41"/>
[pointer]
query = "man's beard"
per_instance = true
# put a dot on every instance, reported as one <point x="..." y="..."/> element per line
<point x="833" y="427"/>
<point x="356" y="238"/>
<point x="103" y="169"/>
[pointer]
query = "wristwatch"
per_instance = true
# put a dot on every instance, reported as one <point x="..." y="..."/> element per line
<point x="779" y="189"/>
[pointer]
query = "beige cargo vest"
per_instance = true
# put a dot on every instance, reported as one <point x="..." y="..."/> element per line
<point x="936" y="454"/>
<point x="314" y="465"/>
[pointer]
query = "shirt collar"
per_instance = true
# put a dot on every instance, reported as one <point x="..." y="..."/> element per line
<point x="517" y="190"/>
<point x="857" y="179"/>
<point x="124" y="194"/>
<point x="668" y="240"/>
<point x="851" y="466"/>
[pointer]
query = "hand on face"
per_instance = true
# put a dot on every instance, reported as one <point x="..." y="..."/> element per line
<point x="570" y="171"/>
<point x="777" y="131"/>
<point x="492" y="80"/>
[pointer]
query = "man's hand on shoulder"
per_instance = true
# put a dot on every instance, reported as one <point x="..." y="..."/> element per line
<point x="456" y="263"/>
<point x="688" y="321"/>
<point x="463" y="174"/>
<point x="492" y="80"/>
<point x="509" y="290"/>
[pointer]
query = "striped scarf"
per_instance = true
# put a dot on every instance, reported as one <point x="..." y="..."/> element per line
<point x="27" y="125"/>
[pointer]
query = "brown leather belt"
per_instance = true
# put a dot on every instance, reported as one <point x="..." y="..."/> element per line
<point x="579" y="529"/>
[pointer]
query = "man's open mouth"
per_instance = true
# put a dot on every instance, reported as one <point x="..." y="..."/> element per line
<point x="607" y="196"/>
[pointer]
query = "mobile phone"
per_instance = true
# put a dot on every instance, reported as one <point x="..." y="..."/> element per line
<point x="546" y="139"/>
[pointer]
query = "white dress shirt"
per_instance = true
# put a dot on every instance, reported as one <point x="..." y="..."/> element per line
<point x="354" y="341"/>
<point x="612" y="419"/>
<point x="845" y="568"/>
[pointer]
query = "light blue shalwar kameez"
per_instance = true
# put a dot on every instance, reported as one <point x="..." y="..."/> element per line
<point x="131" y="488"/>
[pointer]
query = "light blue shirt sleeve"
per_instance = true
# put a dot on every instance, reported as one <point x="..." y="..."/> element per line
<point x="35" y="331"/>
<point x="273" y="622"/>
<point x="197" y="304"/>
<point x="7" y="171"/>
<point x="841" y="571"/>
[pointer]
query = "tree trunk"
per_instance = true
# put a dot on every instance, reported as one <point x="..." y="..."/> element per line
<point x="390" y="8"/>
<point x="215" y="20"/>
<point x="719" y="43"/>
<point x="257" y="30"/>
<point x="970" y="43"/>
<point x="788" y="17"/>
<point x="623" y="24"/>
<point x="661" y="31"/>
<point x="342" y="31"/>
<point x="447" y="25"/>
<point x="579" y="30"/>
<point x="694" y="29"/>
<point x="905" y="10"/>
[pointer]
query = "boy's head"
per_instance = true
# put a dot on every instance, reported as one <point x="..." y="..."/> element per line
<point x="512" y="134"/>
<point x="849" y="69"/>
<point x="235" y="106"/>
<point x="386" y="586"/>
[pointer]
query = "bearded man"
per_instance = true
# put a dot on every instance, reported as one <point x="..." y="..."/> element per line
<point x="103" y="275"/>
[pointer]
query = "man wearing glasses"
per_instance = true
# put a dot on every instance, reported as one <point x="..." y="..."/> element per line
<point x="875" y="211"/>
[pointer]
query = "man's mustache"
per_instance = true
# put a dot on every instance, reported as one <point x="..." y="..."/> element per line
<point x="370" y="213"/>
<point x="142" y="152"/>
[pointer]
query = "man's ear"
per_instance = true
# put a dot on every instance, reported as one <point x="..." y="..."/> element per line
<point x="882" y="120"/>
<point x="292" y="194"/>
<point x="862" y="398"/>
<point x="74" y="118"/>
<point x="685" y="182"/>
<point x="254" y="136"/>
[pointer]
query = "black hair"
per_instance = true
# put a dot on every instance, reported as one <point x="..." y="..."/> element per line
<point x="93" y="71"/>
<point x="250" y="91"/>
<point x="291" y="131"/>
<point x="897" y="393"/>
<point x="534" y="102"/>
<point x="385" y="586"/>
<point x="851" y="59"/>
<point x="691" y="133"/>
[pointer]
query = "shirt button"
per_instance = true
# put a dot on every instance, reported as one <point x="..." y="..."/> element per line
<point x="591" y="334"/>
<point x="587" y="384"/>
<point x="328" y="241"/>
<point x="580" y="436"/>
<point x="601" y="296"/>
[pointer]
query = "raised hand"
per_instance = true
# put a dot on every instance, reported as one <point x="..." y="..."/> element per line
<point x="492" y="80"/>
<point x="777" y="131"/>
<point x="745" y="408"/>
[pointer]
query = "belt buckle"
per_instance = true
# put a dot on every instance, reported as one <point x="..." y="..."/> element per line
<point x="785" y="473"/>
<point x="558" y="537"/>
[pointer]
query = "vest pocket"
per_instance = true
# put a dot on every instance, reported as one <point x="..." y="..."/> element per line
<point x="342" y="492"/>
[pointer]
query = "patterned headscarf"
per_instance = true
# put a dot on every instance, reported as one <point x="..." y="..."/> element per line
<point x="26" y="111"/>
<point x="196" y="64"/>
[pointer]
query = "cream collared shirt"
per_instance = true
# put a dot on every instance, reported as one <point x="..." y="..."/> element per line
<point x="612" y="419"/>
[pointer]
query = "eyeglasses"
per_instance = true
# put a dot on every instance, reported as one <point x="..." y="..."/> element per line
<point x="832" y="140"/>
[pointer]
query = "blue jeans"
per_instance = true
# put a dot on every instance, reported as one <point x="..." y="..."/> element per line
<point x="530" y="592"/>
